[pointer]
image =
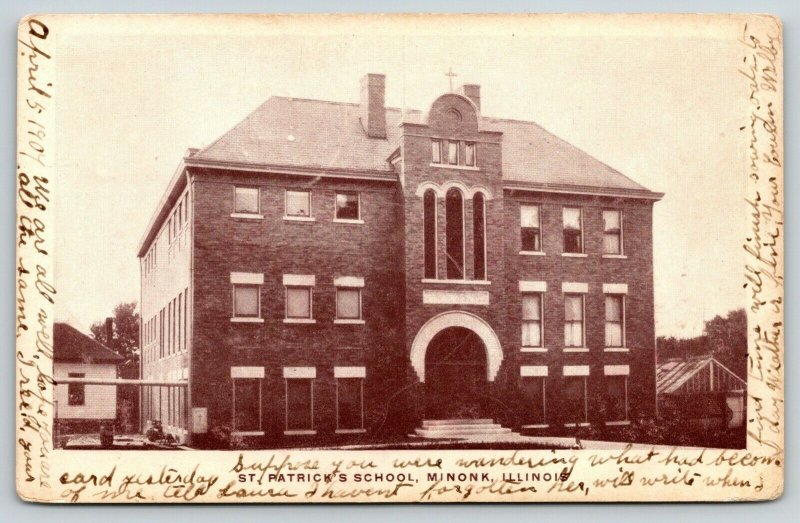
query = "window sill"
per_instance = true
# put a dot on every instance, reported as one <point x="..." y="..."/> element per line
<point x="457" y="282"/>
<point x="349" y="322"/>
<point x="247" y="433"/>
<point x="451" y="166"/>
<point x="533" y="349"/>
<point x="354" y="222"/>
<point x="576" y="349"/>
<point x="245" y="216"/>
<point x="351" y="431"/>
<point x="299" y="320"/>
<point x="536" y="426"/>
<point x="247" y="320"/>
<point x="622" y="423"/>
<point x="531" y="253"/>
<point x="299" y="432"/>
<point x="299" y="219"/>
<point x="583" y="424"/>
<point x="616" y="349"/>
<point x="615" y="256"/>
<point x="574" y="255"/>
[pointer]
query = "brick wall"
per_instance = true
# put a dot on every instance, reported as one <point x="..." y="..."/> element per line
<point x="274" y="246"/>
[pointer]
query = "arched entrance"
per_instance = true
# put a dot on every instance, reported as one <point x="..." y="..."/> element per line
<point x="456" y="382"/>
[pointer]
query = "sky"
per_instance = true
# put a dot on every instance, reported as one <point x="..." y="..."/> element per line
<point x="658" y="102"/>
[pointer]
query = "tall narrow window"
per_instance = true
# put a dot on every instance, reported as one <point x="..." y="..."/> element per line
<point x="532" y="319"/>
<point x="534" y="388"/>
<point x="576" y="407"/>
<point x="76" y="392"/>
<point x="429" y="232"/>
<point x="615" y="320"/>
<point x="573" y="230"/>
<point x="436" y="151"/>
<point x="469" y="154"/>
<point x="616" y="398"/>
<point x="247" y="405"/>
<point x="349" y="404"/>
<point x="479" y="235"/>
<point x="573" y="320"/>
<point x="299" y="404"/>
<point x="612" y="232"/>
<point x="452" y="153"/>
<point x="454" y="222"/>
<point x="530" y="227"/>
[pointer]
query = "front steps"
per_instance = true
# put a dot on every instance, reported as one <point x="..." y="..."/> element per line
<point x="468" y="429"/>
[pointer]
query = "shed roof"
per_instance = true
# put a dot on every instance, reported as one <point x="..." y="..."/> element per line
<point x="69" y="344"/>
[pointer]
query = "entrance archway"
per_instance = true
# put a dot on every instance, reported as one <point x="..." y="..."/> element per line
<point x="445" y="320"/>
<point x="455" y="370"/>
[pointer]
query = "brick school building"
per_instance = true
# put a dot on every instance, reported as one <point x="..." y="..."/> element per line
<point x="332" y="272"/>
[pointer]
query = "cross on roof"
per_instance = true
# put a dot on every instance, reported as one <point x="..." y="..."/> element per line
<point x="450" y="74"/>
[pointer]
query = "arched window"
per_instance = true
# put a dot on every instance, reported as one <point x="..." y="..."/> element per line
<point x="429" y="232"/>
<point x="479" y="235"/>
<point x="454" y="223"/>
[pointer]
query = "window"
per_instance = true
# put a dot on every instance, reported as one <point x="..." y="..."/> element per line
<point x="573" y="234"/>
<point x="349" y="404"/>
<point x="436" y="151"/>
<point x="246" y="405"/>
<point x="612" y="232"/>
<point x="616" y="398"/>
<point x="246" y="200"/>
<point x="347" y="206"/>
<point x="615" y="320"/>
<point x="469" y="154"/>
<point x="575" y="404"/>
<point x="429" y="232"/>
<point x="298" y="204"/>
<point x="454" y="224"/>
<point x="298" y="302"/>
<point x="76" y="392"/>
<point x="479" y="236"/>
<point x="534" y="389"/>
<point x="348" y="303"/>
<point x="299" y="404"/>
<point x="573" y="320"/>
<point x="246" y="301"/>
<point x="532" y="320"/>
<point x="530" y="225"/>
<point x="452" y="153"/>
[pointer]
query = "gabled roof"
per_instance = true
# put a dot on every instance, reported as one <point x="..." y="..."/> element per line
<point x="303" y="133"/>
<point x="672" y="374"/>
<point x="69" y="344"/>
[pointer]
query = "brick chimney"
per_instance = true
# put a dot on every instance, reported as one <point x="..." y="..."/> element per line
<point x="473" y="92"/>
<point x="109" y="331"/>
<point x="373" y="110"/>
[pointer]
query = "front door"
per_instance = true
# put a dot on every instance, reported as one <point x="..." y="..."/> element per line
<point x="455" y="375"/>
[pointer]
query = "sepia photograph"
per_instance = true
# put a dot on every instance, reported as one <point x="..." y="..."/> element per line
<point x="392" y="237"/>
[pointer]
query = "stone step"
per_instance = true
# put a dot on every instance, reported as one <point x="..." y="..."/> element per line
<point x="461" y="433"/>
<point x="465" y="421"/>
<point x="469" y="426"/>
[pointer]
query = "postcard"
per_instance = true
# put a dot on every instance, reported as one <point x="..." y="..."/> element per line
<point x="399" y="258"/>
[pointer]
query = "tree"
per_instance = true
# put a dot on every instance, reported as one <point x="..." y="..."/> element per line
<point x="727" y="340"/>
<point x="125" y="342"/>
<point x="125" y="336"/>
